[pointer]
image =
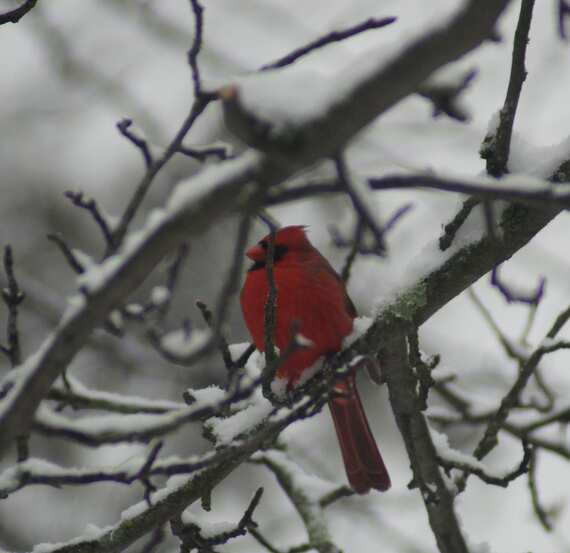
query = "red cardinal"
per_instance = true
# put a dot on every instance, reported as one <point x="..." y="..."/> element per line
<point x="312" y="296"/>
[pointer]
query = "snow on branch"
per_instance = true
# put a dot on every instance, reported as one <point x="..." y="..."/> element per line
<point x="180" y="492"/>
<point x="203" y="199"/>
<point x="305" y="493"/>
<point x="73" y="393"/>
<point x="275" y="112"/>
<point x="190" y="209"/>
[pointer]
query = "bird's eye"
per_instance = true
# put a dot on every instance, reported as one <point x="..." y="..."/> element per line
<point x="263" y="245"/>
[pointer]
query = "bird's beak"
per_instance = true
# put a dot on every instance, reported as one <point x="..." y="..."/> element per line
<point x="256" y="253"/>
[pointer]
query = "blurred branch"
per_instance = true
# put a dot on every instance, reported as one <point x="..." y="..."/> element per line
<point x="213" y="194"/>
<point x="92" y="207"/>
<point x="563" y="13"/>
<point x="13" y="297"/>
<point x="269" y="315"/>
<point x="489" y="439"/>
<point x="334" y="36"/>
<point x="539" y="194"/>
<point x="67" y="65"/>
<point x="220" y="151"/>
<point x="496" y="146"/>
<point x="502" y="481"/>
<point x="125" y="128"/>
<point x="189" y="533"/>
<point x="445" y="97"/>
<point x="360" y="206"/>
<point x="201" y="102"/>
<point x="539" y="510"/>
<point x="67" y="252"/>
<point x="13" y="16"/>
<point x="308" y="509"/>
<point x="173" y="501"/>
<point x="77" y="396"/>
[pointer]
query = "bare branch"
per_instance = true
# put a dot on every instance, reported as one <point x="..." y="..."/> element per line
<point x="368" y="219"/>
<point x="496" y="146"/>
<point x="269" y="318"/>
<point x="203" y="153"/>
<point x="67" y="252"/>
<point x="502" y="481"/>
<point x="489" y="440"/>
<point x="539" y="510"/>
<point x="334" y="36"/>
<point x="88" y="203"/>
<point x="190" y="535"/>
<point x="512" y="295"/>
<point x="125" y="129"/>
<point x="438" y="500"/>
<point x="13" y="16"/>
<point x="13" y="297"/>
<point x="444" y="97"/>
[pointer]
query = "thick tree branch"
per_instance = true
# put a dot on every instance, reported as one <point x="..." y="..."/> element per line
<point x="401" y="382"/>
<point x="332" y="128"/>
<point x="13" y="16"/>
<point x="214" y="195"/>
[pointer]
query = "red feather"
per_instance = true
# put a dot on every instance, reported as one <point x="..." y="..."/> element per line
<point x="312" y="296"/>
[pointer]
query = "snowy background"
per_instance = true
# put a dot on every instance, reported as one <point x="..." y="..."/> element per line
<point x="69" y="74"/>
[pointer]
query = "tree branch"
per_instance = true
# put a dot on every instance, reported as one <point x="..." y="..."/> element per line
<point x="438" y="500"/>
<point x="334" y="36"/>
<point x="13" y="16"/>
<point x="496" y="146"/>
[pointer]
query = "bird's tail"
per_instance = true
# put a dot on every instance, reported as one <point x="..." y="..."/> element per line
<point x="364" y="466"/>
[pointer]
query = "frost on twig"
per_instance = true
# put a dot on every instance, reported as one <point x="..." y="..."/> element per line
<point x="196" y="533"/>
<point x="300" y="489"/>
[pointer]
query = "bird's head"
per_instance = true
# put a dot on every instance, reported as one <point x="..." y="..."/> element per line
<point x="287" y="240"/>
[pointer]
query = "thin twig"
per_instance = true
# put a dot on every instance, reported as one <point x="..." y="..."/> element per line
<point x="67" y="252"/>
<point x="360" y="206"/>
<point x="489" y="440"/>
<point x="513" y="296"/>
<point x="203" y="153"/>
<point x="89" y="204"/>
<point x="196" y="47"/>
<point x="201" y="102"/>
<point x="223" y="346"/>
<point x="451" y="228"/>
<point x="334" y="36"/>
<point x="128" y="215"/>
<point x="269" y="318"/>
<point x="351" y="257"/>
<point x="125" y="129"/>
<point x="444" y="97"/>
<point x="539" y="510"/>
<point x="502" y="481"/>
<point x="173" y="275"/>
<point x="496" y="146"/>
<point x="13" y="297"/>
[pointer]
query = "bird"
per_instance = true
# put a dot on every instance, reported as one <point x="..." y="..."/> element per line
<point x="311" y="300"/>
